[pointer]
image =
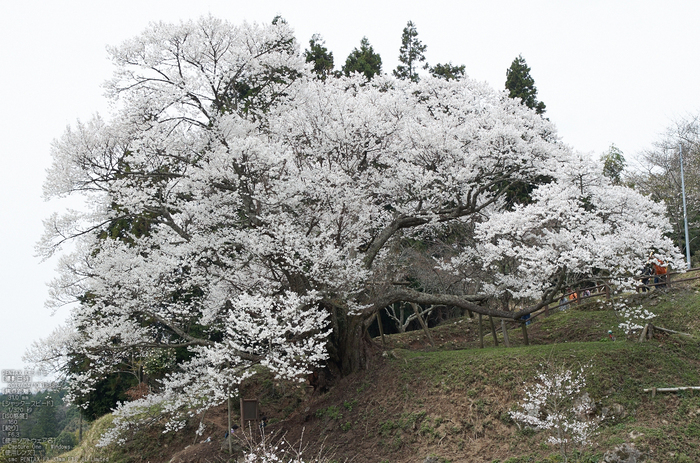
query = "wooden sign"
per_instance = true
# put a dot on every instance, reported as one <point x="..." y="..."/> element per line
<point x="249" y="411"/>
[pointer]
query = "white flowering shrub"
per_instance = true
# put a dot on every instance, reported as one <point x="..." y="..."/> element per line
<point x="556" y="404"/>
<point x="633" y="318"/>
<point x="130" y="416"/>
<point x="268" y="449"/>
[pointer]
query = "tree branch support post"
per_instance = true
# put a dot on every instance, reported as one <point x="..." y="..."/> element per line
<point x="646" y="332"/>
<point x="230" y="449"/>
<point x="416" y="309"/>
<point x="505" y="333"/>
<point x="481" y="334"/>
<point x="523" y="325"/>
<point x="493" y="331"/>
<point x="381" y="327"/>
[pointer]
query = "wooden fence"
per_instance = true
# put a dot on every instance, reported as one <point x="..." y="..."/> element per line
<point x="582" y="295"/>
<point x="603" y="290"/>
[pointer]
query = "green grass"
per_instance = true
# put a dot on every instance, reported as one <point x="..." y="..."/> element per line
<point x="442" y="400"/>
<point x="666" y="427"/>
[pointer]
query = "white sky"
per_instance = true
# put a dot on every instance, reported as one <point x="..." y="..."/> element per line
<point x="609" y="72"/>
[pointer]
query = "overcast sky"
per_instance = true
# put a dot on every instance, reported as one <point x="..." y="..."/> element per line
<point x="609" y="72"/>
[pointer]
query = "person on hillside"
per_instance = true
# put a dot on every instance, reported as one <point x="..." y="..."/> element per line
<point x="563" y="303"/>
<point x="573" y="297"/>
<point x="647" y="270"/>
<point x="661" y="272"/>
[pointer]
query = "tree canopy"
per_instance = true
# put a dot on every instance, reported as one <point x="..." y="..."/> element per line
<point x="520" y="84"/>
<point x="448" y="71"/>
<point x="280" y="212"/>
<point x="363" y="60"/>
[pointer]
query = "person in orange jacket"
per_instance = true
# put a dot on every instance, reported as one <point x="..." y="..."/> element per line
<point x="660" y="270"/>
<point x="573" y="297"/>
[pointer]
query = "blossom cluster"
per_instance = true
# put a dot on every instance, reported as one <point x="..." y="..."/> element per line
<point x="634" y="318"/>
<point x="555" y="403"/>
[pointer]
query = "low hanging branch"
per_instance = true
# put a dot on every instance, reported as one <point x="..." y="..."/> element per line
<point x="473" y="303"/>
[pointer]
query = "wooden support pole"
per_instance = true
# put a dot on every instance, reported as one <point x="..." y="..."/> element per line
<point x="381" y="327"/>
<point x="643" y="334"/>
<point x="493" y="331"/>
<point x="505" y="333"/>
<point x="230" y="448"/>
<point x="416" y="309"/>
<point x="481" y="334"/>
<point x="654" y="390"/>
<point x="525" y="338"/>
<point x="666" y="330"/>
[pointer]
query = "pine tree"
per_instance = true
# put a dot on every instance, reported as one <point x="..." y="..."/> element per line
<point x="520" y="84"/>
<point x="448" y="71"/>
<point x="46" y="424"/>
<point x="364" y="60"/>
<point x="411" y="53"/>
<point x="320" y="56"/>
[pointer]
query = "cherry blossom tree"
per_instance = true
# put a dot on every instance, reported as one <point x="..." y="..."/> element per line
<point x="170" y="253"/>
<point x="580" y="227"/>
<point x="557" y="403"/>
<point x="247" y="215"/>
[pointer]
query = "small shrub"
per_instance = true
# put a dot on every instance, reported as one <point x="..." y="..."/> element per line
<point x="331" y="412"/>
<point x="268" y="449"/>
<point x="556" y="404"/>
<point x="350" y="404"/>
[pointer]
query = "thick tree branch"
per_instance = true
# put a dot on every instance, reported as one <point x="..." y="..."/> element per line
<point x="473" y="303"/>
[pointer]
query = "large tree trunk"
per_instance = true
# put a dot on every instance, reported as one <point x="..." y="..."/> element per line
<point x="350" y="346"/>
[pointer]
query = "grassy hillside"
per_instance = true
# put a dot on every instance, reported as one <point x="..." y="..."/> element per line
<point x="450" y="402"/>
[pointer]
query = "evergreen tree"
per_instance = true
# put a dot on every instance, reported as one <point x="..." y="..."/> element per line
<point x="520" y="84"/>
<point x="320" y="56"/>
<point x="105" y="394"/>
<point x="364" y="60"/>
<point x="613" y="164"/>
<point x="448" y="71"/>
<point x="278" y="19"/>
<point x="46" y="424"/>
<point x="411" y="53"/>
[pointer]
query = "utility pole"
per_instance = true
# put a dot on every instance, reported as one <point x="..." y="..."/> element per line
<point x="685" y="211"/>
